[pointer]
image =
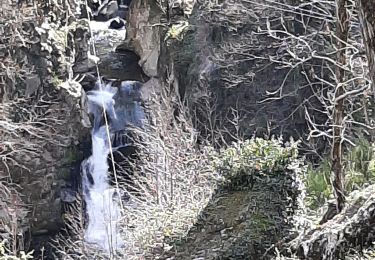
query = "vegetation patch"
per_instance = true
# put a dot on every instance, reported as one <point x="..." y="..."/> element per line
<point x="244" y="160"/>
<point x="359" y="167"/>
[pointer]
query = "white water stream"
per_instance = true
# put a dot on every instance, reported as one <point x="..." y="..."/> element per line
<point x="102" y="208"/>
<point x="122" y="107"/>
<point x="103" y="201"/>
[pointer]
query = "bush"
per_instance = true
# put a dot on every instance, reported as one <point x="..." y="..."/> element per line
<point x="258" y="155"/>
<point x="318" y="187"/>
<point x="360" y="164"/>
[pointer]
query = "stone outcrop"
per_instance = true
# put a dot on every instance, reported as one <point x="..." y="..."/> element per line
<point x="114" y="61"/>
<point x="49" y="166"/>
<point x="352" y="229"/>
<point x="252" y="211"/>
<point x="41" y="132"/>
<point x="144" y="34"/>
<point x="243" y="223"/>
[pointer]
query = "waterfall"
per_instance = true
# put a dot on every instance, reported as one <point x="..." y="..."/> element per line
<point x="122" y="106"/>
<point x="103" y="210"/>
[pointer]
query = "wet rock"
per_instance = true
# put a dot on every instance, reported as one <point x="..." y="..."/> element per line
<point x="106" y="42"/>
<point x="122" y="65"/>
<point x="117" y="24"/>
<point x="128" y="106"/>
<point x="89" y="81"/>
<point x="107" y="11"/>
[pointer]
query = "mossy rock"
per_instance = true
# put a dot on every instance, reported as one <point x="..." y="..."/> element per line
<point x="252" y="208"/>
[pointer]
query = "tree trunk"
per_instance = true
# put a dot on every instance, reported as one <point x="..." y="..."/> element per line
<point x="338" y="112"/>
<point x="366" y="10"/>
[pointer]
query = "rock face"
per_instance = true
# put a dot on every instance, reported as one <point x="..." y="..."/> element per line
<point x="42" y="172"/>
<point x="144" y="34"/>
<point x="221" y="59"/>
<point x="242" y="224"/>
<point x="114" y="62"/>
<point x="107" y="11"/>
<point x="217" y="58"/>
<point x="122" y="65"/>
<point x="41" y="114"/>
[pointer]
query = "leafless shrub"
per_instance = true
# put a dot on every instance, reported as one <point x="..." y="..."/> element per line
<point x="173" y="179"/>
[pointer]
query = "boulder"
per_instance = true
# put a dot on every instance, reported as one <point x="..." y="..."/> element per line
<point x="254" y="208"/>
<point x="122" y="65"/>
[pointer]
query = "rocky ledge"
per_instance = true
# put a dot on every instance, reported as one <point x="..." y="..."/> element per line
<point x="252" y="210"/>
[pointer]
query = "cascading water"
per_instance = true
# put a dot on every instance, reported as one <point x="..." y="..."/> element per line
<point x="122" y="108"/>
<point x="114" y="109"/>
<point x="102" y="210"/>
